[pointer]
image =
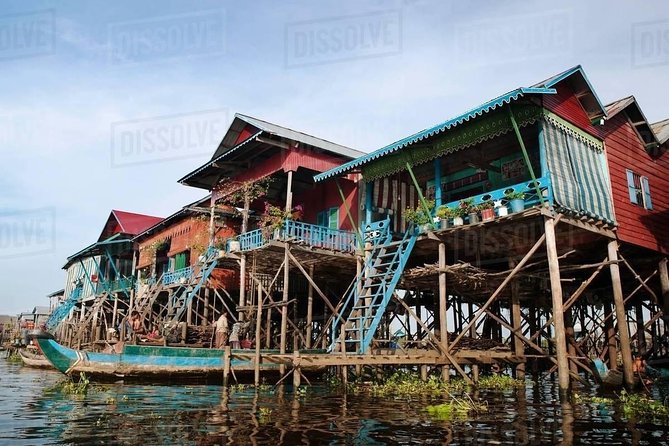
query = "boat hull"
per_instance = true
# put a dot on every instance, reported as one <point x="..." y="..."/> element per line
<point x="143" y="361"/>
<point x="35" y="361"/>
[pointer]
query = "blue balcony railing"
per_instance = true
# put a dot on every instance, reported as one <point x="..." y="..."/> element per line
<point x="175" y="276"/>
<point x="320" y="236"/>
<point x="299" y="232"/>
<point x="531" y="196"/>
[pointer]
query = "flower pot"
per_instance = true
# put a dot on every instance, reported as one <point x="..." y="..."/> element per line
<point x="473" y="218"/>
<point x="427" y="227"/>
<point x="277" y="234"/>
<point x="502" y="211"/>
<point x="517" y="205"/>
<point x="443" y="223"/>
<point x="221" y="253"/>
<point x="488" y="214"/>
<point x="234" y="246"/>
<point x="458" y="221"/>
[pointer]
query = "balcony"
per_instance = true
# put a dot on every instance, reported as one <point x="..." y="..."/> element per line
<point x="178" y="276"/>
<point x="299" y="233"/>
<point x="123" y="285"/>
<point x="531" y="196"/>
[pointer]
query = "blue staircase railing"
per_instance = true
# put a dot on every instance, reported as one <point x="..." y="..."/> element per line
<point x="182" y="299"/>
<point x="364" y="305"/>
<point x="60" y="312"/>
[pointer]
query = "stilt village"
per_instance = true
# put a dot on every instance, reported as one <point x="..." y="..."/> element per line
<point x="528" y="234"/>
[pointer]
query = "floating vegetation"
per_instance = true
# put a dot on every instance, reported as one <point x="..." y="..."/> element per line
<point x="407" y="384"/>
<point x="500" y="382"/>
<point x="578" y="398"/>
<point x="71" y="387"/>
<point x="640" y="406"/>
<point x="14" y="358"/>
<point x="456" y="408"/>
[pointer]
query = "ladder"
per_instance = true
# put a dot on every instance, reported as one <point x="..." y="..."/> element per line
<point x="370" y="293"/>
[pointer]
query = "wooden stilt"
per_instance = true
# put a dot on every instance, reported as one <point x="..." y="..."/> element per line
<point x="518" y="347"/>
<point x="611" y="345"/>
<point x="226" y="365"/>
<point x="256" y="369"/>
<point x="664" y="286"/>
<point x="443" y="309"/>
<point x="621" y="319"/>
<point x="297" y="373"/>
<point x="310" y="309"/>
<point x="640" y="329"/>
<point x="558" y="311"/>
<point x="286" y="276"/>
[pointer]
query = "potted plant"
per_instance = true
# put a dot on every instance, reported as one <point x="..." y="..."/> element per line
<point x="487" y="211"/>
<point x="273" y="220"/>
<point x="419" y="217"/>
<point x="502" y="210"/>
<point x="516" y="200"/>
<point x="444" y="214"/>
<point x="467" y="208"/>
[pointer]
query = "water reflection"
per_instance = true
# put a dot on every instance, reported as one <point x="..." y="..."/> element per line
<point x="146" y="415"/>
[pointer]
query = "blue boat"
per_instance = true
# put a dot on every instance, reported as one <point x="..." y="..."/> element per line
<point x="143" y="361"/>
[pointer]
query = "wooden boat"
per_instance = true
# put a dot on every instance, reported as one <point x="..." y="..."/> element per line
<point x="610" y="378"/>
<point x="144" y="361"/>
<point x="34" y="359"/>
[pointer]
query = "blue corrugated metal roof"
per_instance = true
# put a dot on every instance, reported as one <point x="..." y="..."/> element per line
<point x="478" y="111"/>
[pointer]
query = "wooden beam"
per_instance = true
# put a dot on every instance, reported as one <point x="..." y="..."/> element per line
<point x="643" y="283"/>
<point x="499" y="289"/>
<point x="311" y="282"/>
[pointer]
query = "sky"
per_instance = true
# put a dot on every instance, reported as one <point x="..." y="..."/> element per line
<point x="105" y="105"/>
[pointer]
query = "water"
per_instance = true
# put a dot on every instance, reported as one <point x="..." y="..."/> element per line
<point x="131" y="414"/>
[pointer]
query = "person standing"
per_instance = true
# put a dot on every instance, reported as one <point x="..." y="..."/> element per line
<point x="222" y="331"/>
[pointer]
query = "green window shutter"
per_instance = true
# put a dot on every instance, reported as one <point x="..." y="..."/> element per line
<point x="333" y="218"/>
<point x="180" y="261"/>
<point x="321" y="219"/>
<point x="646" y="193"/>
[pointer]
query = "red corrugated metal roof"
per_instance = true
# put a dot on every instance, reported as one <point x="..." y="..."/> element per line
<point x="133" y="224"/>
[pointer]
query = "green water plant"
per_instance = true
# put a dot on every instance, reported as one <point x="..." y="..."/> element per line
<point x="640" y="406"/>
<point x="70" y="386"/>
<point x="456" y="408"/>
<point x="499" y="382"/>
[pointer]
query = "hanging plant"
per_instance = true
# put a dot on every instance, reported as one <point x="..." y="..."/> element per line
<point x="234" y="193"/>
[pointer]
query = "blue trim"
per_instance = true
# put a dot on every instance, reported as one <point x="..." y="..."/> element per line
<point x="369" y="201"/>
<point x="543" y="162"/>
<point x="405" y="142"/>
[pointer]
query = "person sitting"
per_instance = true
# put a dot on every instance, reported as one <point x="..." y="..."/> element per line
<point x="136" y="323"/>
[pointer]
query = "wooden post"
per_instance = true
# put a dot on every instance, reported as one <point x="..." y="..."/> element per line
<point x="297" y="373"/>
<point x="571" y="340"/>
<point x="518" y="347"/>
<point x="310" y="308"/>
<point x="558" y="309"/>
<point x="286" y="276"/>
<point x="226" y="365"/>
<point x="611" y="347"/>
<point x="621" y="319"/>
<point x="205" y="310"/>
<point x="472" y="334"/>
<point x="664" y="286"/>
<point x="242" y="266"/>
<point x="640" y="329"/>
<point x="256" y="370"/>
<point x="443" y="308"/>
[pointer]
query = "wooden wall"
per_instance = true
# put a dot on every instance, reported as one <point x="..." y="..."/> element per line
<point x="637" y="225"/>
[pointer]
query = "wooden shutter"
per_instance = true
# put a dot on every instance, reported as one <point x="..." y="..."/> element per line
<point x="645" y="187"/>
<point x="631" y="188"/>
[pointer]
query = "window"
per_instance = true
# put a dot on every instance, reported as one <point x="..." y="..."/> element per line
<point x="639" y="189"/>
<point x="328" y="218"/>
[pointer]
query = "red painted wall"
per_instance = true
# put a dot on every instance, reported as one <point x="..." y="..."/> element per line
<point x="566" y="105"/>
<point x="624" y="150"/>
<point x="325" y="196"/>
<point x="184" y="234"/>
